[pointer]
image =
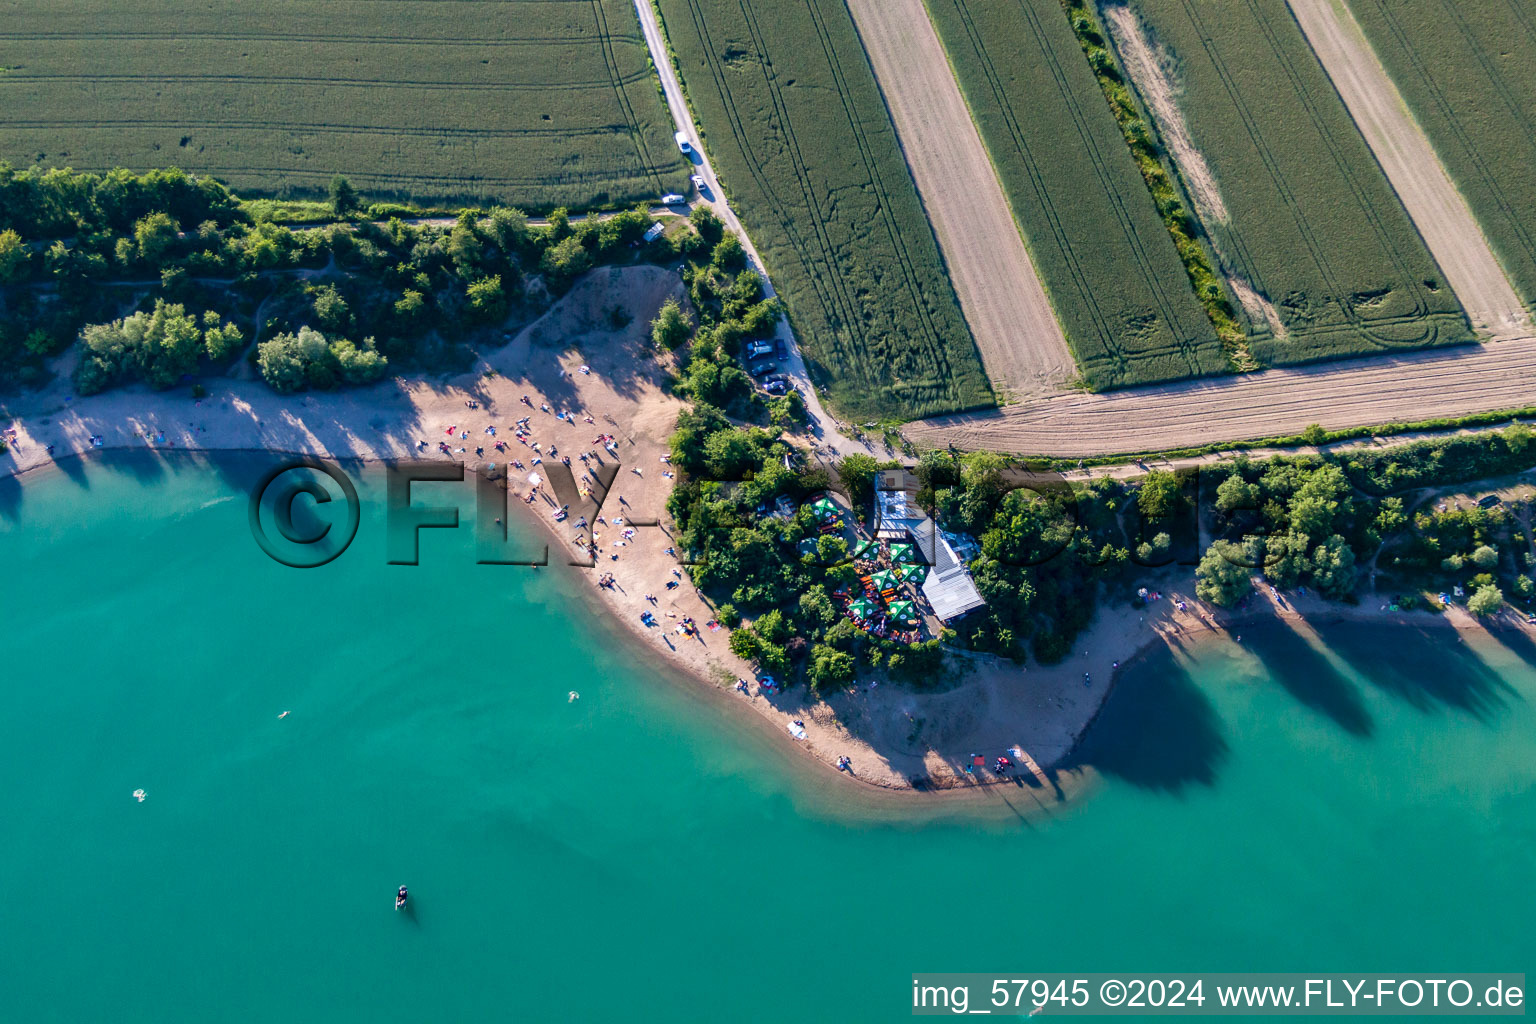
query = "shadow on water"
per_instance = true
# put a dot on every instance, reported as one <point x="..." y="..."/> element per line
<point x="10" y="497"/>
<point x="1517" y="641"/>
<point x="1310" y="678"/>
<point x="1429" y="669"/>
<point x="1157" y="731"/>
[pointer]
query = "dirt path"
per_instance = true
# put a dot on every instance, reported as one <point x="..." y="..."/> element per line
<point x="1413" y="387"/>
<point x="1021" y="344"/>
<point x="1411" y="165"/>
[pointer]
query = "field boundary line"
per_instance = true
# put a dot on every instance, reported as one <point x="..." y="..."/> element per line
<point x="1436" y="207"/>
<point x="1002" y="297"/>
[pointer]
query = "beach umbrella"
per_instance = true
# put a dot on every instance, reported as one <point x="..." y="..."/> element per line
<point x="903" y="611"/>
<point x="884" y="580"/>
<point x="912" y="572"/>
<point x="863" y="607"/>
<point x="824" y="508"/>
<point x="903" y="553"/>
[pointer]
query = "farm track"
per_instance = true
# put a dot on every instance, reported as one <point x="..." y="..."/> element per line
<point x="1022" y="346"/>
<point x="1417" y="386"/>
<point x="1438" y="210"/>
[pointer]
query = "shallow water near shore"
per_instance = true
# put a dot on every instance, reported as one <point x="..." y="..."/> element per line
<point x="1359" y="800"/>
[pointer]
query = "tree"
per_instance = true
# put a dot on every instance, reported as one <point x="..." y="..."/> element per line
<point x="744" y="644"/>
<point x="1333" y="567"/>
<point x="1487" y="600"/>
<point x="565" y="259"/>
<point x="331" y="309"/>
<point x="13" y="256"/>
<point x="829" y="666"/>
<point x="1390" y="517"/>
<point x="342" y="195"/>
<point x="671" y="327"/>
<point x="153" y="235"/>
<point x="1159" y="495"/>
<point x="857" y="472"/>
<point x="1237" y="495"/>
<point x="816" y="607"/>
<point x="1221" y="578"/>
<point x="287" y="361"/>
<point x="1485" y="557"/>
<point x="1315" y="435"/>
<point x="358" y="364"/>
<point x="486" y="298"/>
<point x="220" y="341"/>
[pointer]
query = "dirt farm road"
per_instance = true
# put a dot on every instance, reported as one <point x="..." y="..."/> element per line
<point x="1412" y="166"/>
<point x="1384" y="389"/>
<point x="1022" y="346"/>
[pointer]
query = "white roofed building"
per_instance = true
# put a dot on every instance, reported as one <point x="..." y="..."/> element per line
<point x="949" y="587"/>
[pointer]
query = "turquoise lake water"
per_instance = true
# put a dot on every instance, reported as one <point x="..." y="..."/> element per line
<point x="1368" y="802"/>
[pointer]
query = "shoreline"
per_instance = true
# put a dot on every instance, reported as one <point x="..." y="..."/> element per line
<point x="907" y="746"/>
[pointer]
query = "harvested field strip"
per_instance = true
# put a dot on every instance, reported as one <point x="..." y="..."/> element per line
<point x="1413" y="387"/>
<point x="798" y="133"/>
<point x="1106" y="262"/>
<point x="1022" y="346"/>
<point x="1438" y="210"/>
<point x="1314" y="226"/>
<point x="552" y="104"/>
<point x="1467" y="70"/>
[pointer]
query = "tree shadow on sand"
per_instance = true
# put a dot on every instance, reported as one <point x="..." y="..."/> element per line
<point x="1157" y="731"/>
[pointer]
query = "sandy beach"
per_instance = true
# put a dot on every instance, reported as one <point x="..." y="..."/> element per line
<point x="578" y="378"/>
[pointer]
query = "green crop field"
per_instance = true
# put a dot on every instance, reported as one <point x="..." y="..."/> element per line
<point x="800" y="136"/>
<point x="1103" y="254"/>
<point x="1468" y="70"/>
<point x="1313" y="224"/>
<point x="538" y="104"/>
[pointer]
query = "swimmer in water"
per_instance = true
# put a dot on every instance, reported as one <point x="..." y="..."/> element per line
<point x="283" y="715"/>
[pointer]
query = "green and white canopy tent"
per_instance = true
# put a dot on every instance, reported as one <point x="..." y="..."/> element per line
<point x="864" y="548"/>
<point x="903" y="611"/>
<point x="825" y="508"/>
<point x="863" y="607"/>
<point x="903" y="552"/>
<point x="910" y="573"/>
<point x="884" y="580"/>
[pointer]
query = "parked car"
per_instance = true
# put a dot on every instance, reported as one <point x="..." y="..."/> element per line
<point x="762" y="368"/>
<point x="776" y="387"/>
<point x="780" y="350"/>
<point x="698" y="182"/>
<point x="682" y="143"/>
<point x="673" y="199"/>
<point x="758" y="349"/>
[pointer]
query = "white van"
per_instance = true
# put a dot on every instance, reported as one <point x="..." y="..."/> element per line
<point x="673" y="199"/>
<point x="682" y="143"/>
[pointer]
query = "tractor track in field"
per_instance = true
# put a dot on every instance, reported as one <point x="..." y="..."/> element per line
<point x="1022" y="346"/>
<point x="1432" y="200"/>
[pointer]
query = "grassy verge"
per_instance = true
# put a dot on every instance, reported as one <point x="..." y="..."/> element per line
<point x="1142" y="140"/>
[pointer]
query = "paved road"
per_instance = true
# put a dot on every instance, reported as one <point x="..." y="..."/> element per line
<point x="823" y="427"/>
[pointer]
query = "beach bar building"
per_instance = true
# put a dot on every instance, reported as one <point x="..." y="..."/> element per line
<point x="948" y="586"/>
